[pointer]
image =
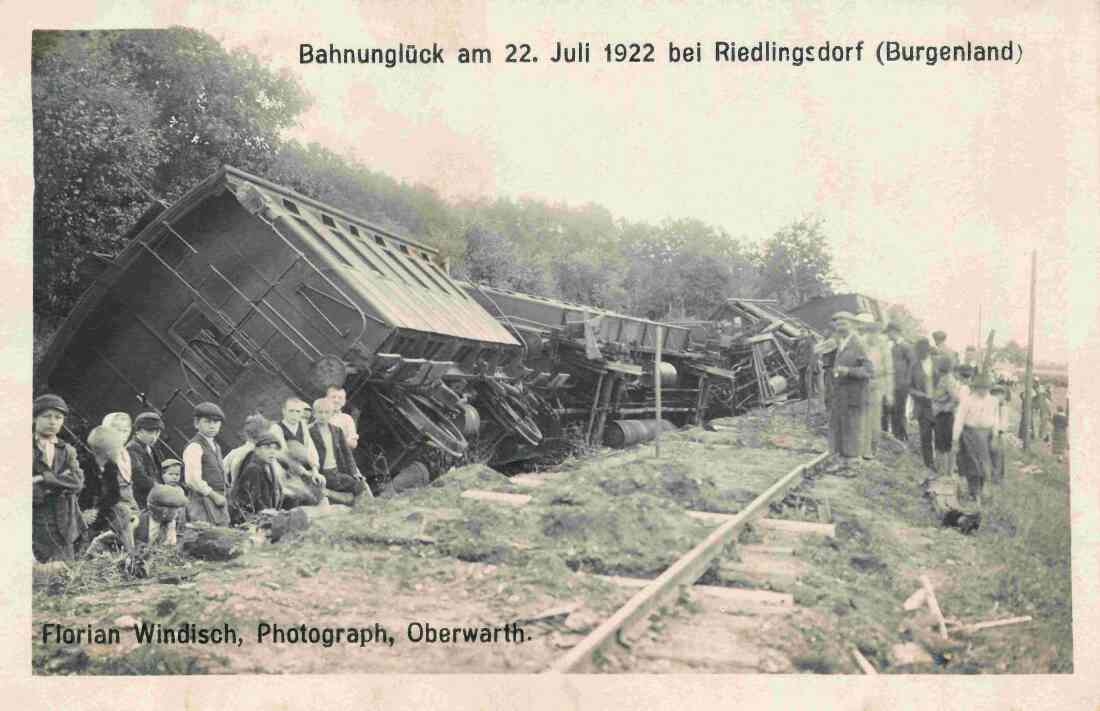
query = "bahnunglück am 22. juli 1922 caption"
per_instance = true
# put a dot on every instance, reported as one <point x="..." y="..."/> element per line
<point x="670" y="52"/>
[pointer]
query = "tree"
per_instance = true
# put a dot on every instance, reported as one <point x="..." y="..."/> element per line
<point x="1012" y="352"/>
<point x="912" y="327"/>
<point x="795" y="264"/>
<point x="125" y="118"/>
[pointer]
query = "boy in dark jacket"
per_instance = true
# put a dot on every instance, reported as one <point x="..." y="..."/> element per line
<point x="57" y="480"/>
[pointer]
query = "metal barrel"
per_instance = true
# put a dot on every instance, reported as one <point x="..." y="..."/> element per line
<point x="623" y="433"/>
<point x="669" y="376"/>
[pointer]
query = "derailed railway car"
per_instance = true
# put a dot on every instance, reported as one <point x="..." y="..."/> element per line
<point x="245" y="293"/>
<point x="763" y="346"/>
<point x="590" y="372"/>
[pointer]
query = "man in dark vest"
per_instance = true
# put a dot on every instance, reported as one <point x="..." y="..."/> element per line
<point x="203" y="474"/>
<point x="292" y="428"/>
<point x="338" y="466"/>
<point x="145" y="461"/>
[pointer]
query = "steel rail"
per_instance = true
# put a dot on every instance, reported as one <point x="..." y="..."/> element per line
<point x="684" y="571"/>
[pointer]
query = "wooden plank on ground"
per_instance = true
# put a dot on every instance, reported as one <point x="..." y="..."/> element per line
<point x="740" y="596"/>
<point x="497" y="497"/>
<point x="685" y="571"/>
<point x="805" y="528"/>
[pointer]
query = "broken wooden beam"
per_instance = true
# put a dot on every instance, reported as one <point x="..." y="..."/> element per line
<point x="861" y="660"/>
<point x="934" y="605"/>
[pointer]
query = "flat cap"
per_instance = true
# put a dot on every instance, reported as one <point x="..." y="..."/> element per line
<point x="169" y="463"/>
<point x="266" y="439"/>
<point x="209" y="410"/>
<point x="148" y="421"/>
<point x="50" y="402"/>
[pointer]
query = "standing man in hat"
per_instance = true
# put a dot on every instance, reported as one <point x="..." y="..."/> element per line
<point x="881" y="390"/>
<point x="923" y="378"/>
<point x="942" y="351"/>
<point x="977" y="422"/>
<point x="56" y="479"/>
<point x="203" y="472"/>
<point x="143" y="455"/>
<point x="903" y="359"/>
<point x="852" y="373"/>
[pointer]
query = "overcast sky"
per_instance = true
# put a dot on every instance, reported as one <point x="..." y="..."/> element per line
<point x="935" y="182"/>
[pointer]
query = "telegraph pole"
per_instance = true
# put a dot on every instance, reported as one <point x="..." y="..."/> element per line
<point x="1026" y="415"/>
<point x="657" y="385"/>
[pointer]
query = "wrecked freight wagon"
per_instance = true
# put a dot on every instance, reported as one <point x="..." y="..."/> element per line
<point x="764" y="347"/>
<point x="246" y="293"/>
<point x="590" y="371"/>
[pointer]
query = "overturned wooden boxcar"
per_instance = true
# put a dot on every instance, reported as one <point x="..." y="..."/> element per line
<point x="245" y="293"/>
<point x="590" y="372"/>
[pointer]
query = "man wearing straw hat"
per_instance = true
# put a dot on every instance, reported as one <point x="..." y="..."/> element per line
<point x="852" y="372"/>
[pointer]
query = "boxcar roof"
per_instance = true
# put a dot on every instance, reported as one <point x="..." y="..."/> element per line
<point x="436" y="305"/>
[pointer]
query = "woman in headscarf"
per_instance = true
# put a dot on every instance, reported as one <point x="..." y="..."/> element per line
<point x="117" y="511"/>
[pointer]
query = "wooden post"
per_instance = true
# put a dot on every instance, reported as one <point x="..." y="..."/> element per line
<point x="1026" y="414"/>
<point x="657" y="385"/>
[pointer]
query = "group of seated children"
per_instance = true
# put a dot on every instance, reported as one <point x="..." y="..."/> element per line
<point x="144" y="498"/>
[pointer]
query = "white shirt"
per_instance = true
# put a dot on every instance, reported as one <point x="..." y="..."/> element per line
<point x="233" y="461"/>
<point x="347" y="424"/>
<point x="326" y="441"/>
<point x="48" y="447"/>
<point x="192" y="466"/>
<point x="978" y="412"/>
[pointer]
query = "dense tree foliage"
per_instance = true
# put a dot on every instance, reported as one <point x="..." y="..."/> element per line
<point x="796" y="264"/>
<point x="125" y="119"/>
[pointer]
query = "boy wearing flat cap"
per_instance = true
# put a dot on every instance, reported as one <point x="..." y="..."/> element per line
<point x="57" y="479"/>
<point x="257" y="487"/>
<point x="144" y="460"/>
<point x="203" y="472"/>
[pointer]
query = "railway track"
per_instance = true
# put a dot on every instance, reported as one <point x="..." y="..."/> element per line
<point x="613" y="636"/>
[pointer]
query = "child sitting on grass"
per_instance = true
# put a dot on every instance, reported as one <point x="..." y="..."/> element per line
<point x="167" y="505"/>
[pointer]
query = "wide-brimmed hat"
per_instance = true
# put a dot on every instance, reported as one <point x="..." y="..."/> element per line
<point x="49" y="402"/>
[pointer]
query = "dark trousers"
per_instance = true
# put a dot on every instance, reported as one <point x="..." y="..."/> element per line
<point x="893" y="418"/>
<point x="926" y="433"/>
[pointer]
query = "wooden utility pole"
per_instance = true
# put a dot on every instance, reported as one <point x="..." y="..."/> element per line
<point x="657" y="385"/>
<point x="1026" y="415"/>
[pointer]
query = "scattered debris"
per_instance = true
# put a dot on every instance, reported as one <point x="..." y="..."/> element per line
<point x="933" y="604"/>
<point x="865" y="665"/>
